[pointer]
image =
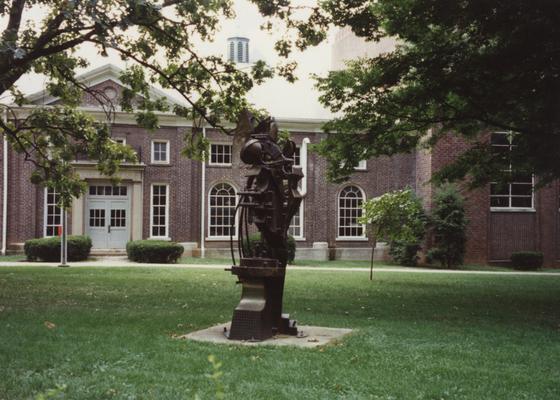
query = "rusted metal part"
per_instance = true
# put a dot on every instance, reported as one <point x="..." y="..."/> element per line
<point x="269" y="201"/>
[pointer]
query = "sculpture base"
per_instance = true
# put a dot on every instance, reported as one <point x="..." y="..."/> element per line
<point x="258" y="316"/>
<point x="311" y="336"/>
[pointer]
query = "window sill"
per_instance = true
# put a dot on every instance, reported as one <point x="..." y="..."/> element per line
<point x="219" y="239"/>
<point x="161" y="164"/>
<point x="351" y="239"/>
<point x="513" y="209"/>
<point x="219" y="165"/>
<point x="299" y="239"/>
<point x="165" y="238"/>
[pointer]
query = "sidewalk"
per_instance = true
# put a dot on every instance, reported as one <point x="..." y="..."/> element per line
<point x="111" y="262"/>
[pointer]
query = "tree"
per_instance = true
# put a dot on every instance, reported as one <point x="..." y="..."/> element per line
<point x="449" y="225"/>
<point x="397" y="217"/>
<point x="459" y="67"/>
<point x="159" y="37"/>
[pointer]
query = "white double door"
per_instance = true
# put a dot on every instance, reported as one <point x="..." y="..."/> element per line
<point x="108" y="221"/>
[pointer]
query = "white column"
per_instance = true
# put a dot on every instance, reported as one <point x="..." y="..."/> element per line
<point x="4" y="191"/>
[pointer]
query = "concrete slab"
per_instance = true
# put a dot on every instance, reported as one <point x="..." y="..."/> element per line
<point x="314" y="336"/>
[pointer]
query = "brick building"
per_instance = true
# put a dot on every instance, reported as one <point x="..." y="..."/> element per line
<point x="167" y="196"/>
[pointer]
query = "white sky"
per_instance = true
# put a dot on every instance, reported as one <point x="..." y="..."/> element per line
<point x="280" y="98"/>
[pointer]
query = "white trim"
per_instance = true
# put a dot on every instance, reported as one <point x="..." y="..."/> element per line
<point x="4" y="189"/>
<point x="167" y="152"/>
<point x="513" y="209"/>
<point x="167" y="201"/>
<point x="303" y="161"/>
<point x="363" y="237"/>
<point x="203" y="205"/>
<point x="221" y="238"/>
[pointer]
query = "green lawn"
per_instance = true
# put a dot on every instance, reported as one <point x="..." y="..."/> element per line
<point x="418" y="336"/>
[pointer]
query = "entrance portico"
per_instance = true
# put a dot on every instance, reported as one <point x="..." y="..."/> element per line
<point x="110" y="214"/>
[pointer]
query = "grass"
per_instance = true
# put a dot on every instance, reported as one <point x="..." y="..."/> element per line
<point x="418" y="336"/>
<point x="12" y="257"/>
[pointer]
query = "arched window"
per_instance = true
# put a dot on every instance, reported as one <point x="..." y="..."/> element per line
<point x="240" y="51"/>
<point x="221" y="213"/>
<point x="232" y="51"/>
<point x="350" y="202"/>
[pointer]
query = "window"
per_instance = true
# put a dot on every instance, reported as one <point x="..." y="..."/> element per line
<point x="221" y="213"/>
<point x="119" y="140"/>
<point x="297" y="157"/>
<point x="362" y="165"/>
<point x="160" y="152"/>
<point x="296" y="224"/>
<point x="350" y="202"/>
<point x="231" y="51"/>
<point x="518" y="192"/>
<point x="97" y="217"/>
<point x="160" y="212"/>
<point x="53" y="213"/>
<point x="240" y="51"/>
<point x="220" y="154"/>
<point x="106" y="190"/>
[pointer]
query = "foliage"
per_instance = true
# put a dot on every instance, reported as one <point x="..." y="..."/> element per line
<point x="458" y="67"/>
<point x="158" y="40"/>
<point x="405" y="253"/>
<point x="154" y="251"/>
<point x="527" y="260"/>
<point x="256" y="243"/>
<point x="395" y="216"/>
<point x="449" y="225"/>
<point x="48" y="249"/>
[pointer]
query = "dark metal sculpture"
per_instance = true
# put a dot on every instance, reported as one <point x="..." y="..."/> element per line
<point x="269" y="201"/>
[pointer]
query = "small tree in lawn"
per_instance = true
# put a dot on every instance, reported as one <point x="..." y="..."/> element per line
<point x="397" y="217"/>
<point x="449" y="224"/>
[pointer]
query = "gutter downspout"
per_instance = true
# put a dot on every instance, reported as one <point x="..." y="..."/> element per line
<point x="304" y="144"/>
<point x="203" y="204"/>
<point x="4" y="189"/>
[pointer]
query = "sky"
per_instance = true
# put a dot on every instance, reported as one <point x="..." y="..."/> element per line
<point x="280" y="98"/>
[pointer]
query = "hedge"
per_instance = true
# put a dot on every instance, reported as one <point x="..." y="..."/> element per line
<point x="255" y="241"/>
<point x="48" y="249"/>
<point x="154" y="251"/>
<point x="527" y="260"/>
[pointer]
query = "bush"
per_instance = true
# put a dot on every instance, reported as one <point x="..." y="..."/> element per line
<point x="527" y="260"/>
<point x="154" y="251"/>
<point x="449" y="225"/>
<point x="255" y="243"/>
<point x="405" y="253"/>
<point x="48" y="249"/>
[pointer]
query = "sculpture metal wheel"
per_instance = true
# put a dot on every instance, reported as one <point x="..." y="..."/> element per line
<point x="269" y="201"/>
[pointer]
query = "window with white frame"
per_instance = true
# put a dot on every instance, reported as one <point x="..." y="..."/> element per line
<point x="296" y="224"/>
<point x="220" y="154"/>
<point x="160" y="151"/>
<point x="159" y="227"/>
<point x="297" y="157"/>
<point x="518" y="192"/>
<point x="362" y="165"/>
<point x="350" y="202"/>
<point x="221" y="211"/>
<point x="53" y="213"/>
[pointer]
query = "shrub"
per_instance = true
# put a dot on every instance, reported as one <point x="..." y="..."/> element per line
<point x="48" y="249"/>
<point x="405" y="253"/>
<point x="527" y="260"/>
<point x="154" y="251"/>
<point x="449" y="225"/>
<point x="255" y="243"/>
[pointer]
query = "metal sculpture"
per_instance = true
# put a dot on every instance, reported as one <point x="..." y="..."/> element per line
<point x="269" y="201"/>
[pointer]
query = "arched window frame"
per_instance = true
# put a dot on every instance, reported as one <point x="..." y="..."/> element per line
<point x="224" y="235"/>
<point x="339" y="215"/>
